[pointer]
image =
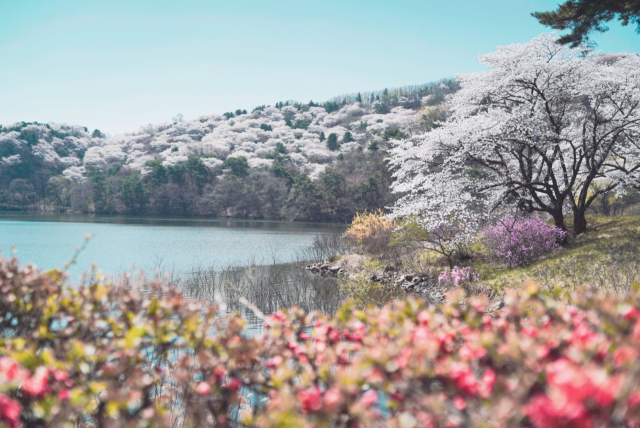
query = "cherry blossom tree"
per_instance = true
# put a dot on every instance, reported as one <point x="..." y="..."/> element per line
<point x="548" y="128"/>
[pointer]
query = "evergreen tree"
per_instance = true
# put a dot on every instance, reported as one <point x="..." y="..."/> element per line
<point x="198" y="174"/>
<point x="322" y="136"/>
<point x="347" y="137"/>
<point x="237" y="165"/>
<point x="332" y="142"/>
<point x="134" y="194"/>
<point x="280" y="149"/>
<point x="158" y="174"/>
<point x="585" y="16"/>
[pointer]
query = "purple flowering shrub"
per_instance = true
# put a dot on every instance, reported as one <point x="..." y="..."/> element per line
<point x="520" y="242"/>
<point x="454" y="277"/>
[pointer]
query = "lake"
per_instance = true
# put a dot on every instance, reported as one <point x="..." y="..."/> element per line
<point x="131" y="244"/>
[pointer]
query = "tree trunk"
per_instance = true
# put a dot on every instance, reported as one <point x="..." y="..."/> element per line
<point x="558" y="220"/>
<point x="606" y="207"/>
<point x="579" y="222"/>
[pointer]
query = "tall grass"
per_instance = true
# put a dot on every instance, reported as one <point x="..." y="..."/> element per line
<point x="270" y="288"/>
<point x="325" y="246"/>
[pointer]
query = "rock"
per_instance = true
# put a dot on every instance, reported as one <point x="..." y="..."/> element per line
<point x="334" y="269"/>
<point x="400" y="279"/>
<point x="324" y="267"/>
<point x="408" y="277"/>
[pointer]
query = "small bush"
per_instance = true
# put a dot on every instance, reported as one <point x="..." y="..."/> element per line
<point x="370" y="233"/>
<point x="455" y="277"/>
<point x="450" y="239"/>
<point x="519" y="242"/>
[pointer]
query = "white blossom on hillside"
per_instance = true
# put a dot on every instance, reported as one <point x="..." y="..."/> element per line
<point x="10" y="160"/>
<point x="75" y="173"/>
<point x="537" y="130"/>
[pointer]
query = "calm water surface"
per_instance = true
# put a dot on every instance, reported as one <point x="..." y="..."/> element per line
<point x="120" y="244"/>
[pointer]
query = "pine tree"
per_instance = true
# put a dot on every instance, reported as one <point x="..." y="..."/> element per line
<point x="332" y="142"/>
<point x="585" y="16"/>
<point x="347" y="137"/>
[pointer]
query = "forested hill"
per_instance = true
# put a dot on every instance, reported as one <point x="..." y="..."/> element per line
<point x="294" y="161"/>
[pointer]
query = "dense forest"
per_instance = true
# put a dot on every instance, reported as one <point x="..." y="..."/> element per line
<point x="294" y="161"/>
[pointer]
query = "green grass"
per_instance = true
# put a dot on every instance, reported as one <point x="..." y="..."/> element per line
<point x="606" y="256"/>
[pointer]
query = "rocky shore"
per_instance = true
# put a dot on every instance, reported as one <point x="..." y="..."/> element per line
<point x="421" y="284"/>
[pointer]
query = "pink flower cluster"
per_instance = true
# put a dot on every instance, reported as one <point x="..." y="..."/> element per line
<point x="533" y="364"/>
<point x="34" y="387"/>
<point x="520" y="242"/>
<point x="456" y="276"/>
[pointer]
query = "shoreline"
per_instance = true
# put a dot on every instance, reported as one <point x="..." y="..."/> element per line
<point x="47" y="216"/>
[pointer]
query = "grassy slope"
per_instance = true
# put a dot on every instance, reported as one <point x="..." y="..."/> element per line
<point x="607" y="255"/>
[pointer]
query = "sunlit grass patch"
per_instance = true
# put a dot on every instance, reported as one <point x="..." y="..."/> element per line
<point x="607" y="256"/>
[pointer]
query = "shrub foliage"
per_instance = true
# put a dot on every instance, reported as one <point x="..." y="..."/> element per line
<point x="370" y="233"/>
<point x="100" y="356"/>
<point x="520" y="242"/>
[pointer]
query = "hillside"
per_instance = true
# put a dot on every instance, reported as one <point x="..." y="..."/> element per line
<point x="274" y="155"/>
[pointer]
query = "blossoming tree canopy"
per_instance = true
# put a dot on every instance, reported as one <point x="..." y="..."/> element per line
<point x="545" y="128"/>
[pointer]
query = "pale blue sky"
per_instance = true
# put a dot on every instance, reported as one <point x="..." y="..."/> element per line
<point x="118" y="65"/>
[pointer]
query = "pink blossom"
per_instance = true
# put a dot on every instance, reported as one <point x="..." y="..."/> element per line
<point x="8" y="368"/>
<point x="203" y="388"/>
<point x="456" y="276"/>
<point x="311" y="399"/>
<point x="10" y="411"/>
<point x="459" y="403"/>
<point x="274" y="362"/>
<point x="332" y="398"/>
<point x="38" y="384"/>
<point x="369" y="398"/>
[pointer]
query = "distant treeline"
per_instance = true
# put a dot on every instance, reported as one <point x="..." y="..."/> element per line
<point x="410" y="96"/>
<point x="33" y="157"/>
<point x="358" y="181"/>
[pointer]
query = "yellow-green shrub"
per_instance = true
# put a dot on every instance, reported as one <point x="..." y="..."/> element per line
<point x="370" y="233"/>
